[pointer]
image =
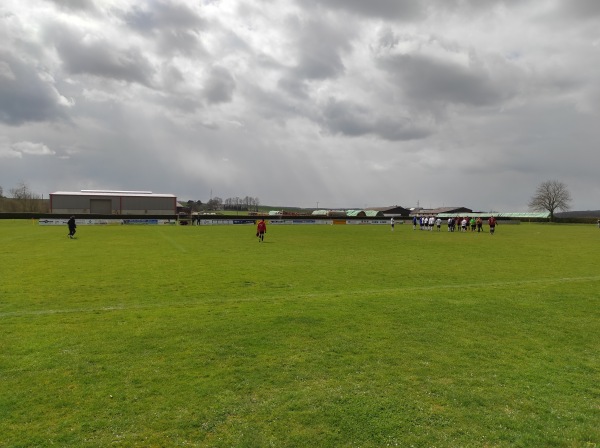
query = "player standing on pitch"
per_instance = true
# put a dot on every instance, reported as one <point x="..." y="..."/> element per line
<point x="72" y="227"/>
<point x="261" y="229"/>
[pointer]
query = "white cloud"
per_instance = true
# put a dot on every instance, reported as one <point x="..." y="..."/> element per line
<point x="7" y="151"/>
<point x="24" y="148"/>
<point x="34" y="149"/>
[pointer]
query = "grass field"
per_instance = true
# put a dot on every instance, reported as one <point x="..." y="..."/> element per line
<point x="322" y="336"/>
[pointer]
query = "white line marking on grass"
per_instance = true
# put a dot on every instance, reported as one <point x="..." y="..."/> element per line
<point x="339" y="293"/>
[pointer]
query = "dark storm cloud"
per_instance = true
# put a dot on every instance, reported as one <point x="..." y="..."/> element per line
<point x="319" y="49"/>
<point x="430" y="81"/>
<point x="219" y="86"/>
<point x="579" y="9"/>
<point x="386" y="9"/>
<point x="26" y="95"/>
<point x="172" y="76"/>
<point x="103" y="58"/>
<point x="414" y="11"/>
<point x="469" y="8"/>
<point x="319" y="63"/>
<point x="345" y="117"/>
<point x="176" y="26"/>
<point x="278" y="105"/>
<point x="75" y="5"/>
<point x="161" y="15"/>
<point x="295" y="87"/>
<point x="183" y="42"/>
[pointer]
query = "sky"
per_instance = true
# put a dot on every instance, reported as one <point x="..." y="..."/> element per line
<point x="304" y="103"/>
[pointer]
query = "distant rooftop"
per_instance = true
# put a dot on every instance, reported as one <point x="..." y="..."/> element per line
<point x="523" y="215"/>
<point x="113" y="193"/>
<point x="116" y="191"/>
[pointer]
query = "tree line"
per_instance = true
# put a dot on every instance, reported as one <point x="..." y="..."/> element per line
<point x="550" y="196"/>
<point x="232" y="204"/>
<point x="22" y="199"/>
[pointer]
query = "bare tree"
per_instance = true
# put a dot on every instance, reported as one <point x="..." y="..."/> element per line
<point x="215" y="203"/>
<point x="25" y="200"/>
<point x="550" y="196"/>
<point x="248" y="202"/>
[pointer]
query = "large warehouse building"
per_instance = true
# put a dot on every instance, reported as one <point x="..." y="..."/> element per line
<point x="110" y="202"/>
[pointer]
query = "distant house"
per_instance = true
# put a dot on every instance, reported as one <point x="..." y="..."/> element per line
<point x="112" y="202"/>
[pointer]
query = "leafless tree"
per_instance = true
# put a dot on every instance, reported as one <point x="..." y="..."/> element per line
<point x="215" y="203"/>
<point x="550" y="196"/>
<point x="25" y="200"/>
<point x="235" y="203"/>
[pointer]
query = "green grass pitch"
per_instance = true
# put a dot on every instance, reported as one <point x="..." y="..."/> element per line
<point x="322" y="336"/>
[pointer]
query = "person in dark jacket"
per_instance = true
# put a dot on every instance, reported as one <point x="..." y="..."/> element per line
<point x="72" y="227"/>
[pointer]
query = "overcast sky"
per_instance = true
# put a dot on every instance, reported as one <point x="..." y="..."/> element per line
<point x="344" y="103"/>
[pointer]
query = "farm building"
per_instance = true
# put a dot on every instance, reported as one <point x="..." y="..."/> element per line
<point x="454" y="211"/>
<point x="394" y="210"/>
<point x="110" y="202"/>
<point x="329" y="213"/>
<point x="356" y="213"/>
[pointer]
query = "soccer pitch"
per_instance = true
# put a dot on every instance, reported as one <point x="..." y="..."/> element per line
<point x="321" y="336"/>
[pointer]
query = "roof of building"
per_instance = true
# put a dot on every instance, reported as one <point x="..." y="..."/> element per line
<point x="385" y="209"/>
<point x="355" y="213"/>
<point x="523" y="215"/>
<point x="117" y="193"/>
<point x="440" y="210"/>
